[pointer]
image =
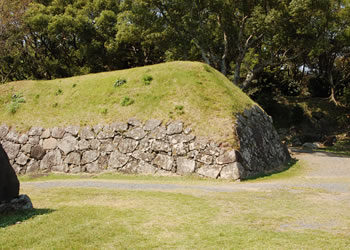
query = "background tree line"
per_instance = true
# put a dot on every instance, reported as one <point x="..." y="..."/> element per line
<point x="254" y="42"/>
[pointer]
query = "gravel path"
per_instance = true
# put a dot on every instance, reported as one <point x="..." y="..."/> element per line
<point x="325" y="171"/>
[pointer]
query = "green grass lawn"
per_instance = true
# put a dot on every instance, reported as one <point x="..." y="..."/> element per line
<point x="189" y="91"/>
<point x="88" y="218"/>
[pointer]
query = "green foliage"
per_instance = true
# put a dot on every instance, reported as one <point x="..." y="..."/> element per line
<point x="127" y="101"/>
<point x="179" y="109"/>
<point x="104" y="111"/>
<point x="119" y="82"/>
<point x="16" y="101"/>
<point x="58" y="92"/>
<point x="147" y="79"/>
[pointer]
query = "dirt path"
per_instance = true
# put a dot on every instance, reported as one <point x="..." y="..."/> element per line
<point x="324" y="171"/>
<point x="323" y="164"/>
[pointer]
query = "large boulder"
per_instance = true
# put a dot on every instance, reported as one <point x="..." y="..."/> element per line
<point x="9" y="184"/>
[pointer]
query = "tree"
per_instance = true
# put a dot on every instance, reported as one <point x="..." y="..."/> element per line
<point x="12" y="45"/>
<point x="326" y="24"/>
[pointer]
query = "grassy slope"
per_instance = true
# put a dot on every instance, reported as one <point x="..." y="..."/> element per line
<point x="207" y="97"/>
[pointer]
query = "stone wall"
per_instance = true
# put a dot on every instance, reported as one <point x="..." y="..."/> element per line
<point x="260" y="145"/>
<point x="144" y="148"/>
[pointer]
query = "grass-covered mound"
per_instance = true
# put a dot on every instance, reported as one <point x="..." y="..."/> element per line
<point x="189" y="91"/>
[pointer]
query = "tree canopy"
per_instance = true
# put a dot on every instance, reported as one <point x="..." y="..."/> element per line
<point x="45" y="39"/>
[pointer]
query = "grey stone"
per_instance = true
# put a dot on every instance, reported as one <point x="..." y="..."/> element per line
<point x="144" y="156"/>
<point x="49" y="144"/>
<point x="145" y="144"/>
<point x="160" y="146"/>
<point x="175" y="128"/>
<point x="37" y="152"/>
<point x="105" y="134"/>
<point x="32" y="167"/>
<point x="179" y="138"/>
<point x="179" y="149"/>
<point x="234" y="171"/>
<point x="108" y="146"/>
<point x="158" y="133"/>
<point x="103" y="161"/>
<point x="97" y="128"/>
<point x="198" y="144"/>
<point x="93" y="167"/>
<point x="68" y="144"/>
<point x="212" y="149"/>
<point x="203" y="158"/>
<point x="95" y="144"/>
<point x="4" y="129"/>
<point x="187" y="131"/>
<point x="12" y="136"/>
<point x="139" y="167"/>
<point x="117" y="139"/>
<point x="135" y="122"/>
<point x="73" y="158"/>
<point x="22" y="159"/>
<point x="127" y="146"/>
<point x="18" y="168"/>
<point x="164" y="162"/>
<point x="83" y="145"/>
<point x="228" y="157"/>
<point x="26" y="148"/>
<point x="51" y="159"/>
<point x="119" y="127"/>
<point x="136" y="134"/>
<point x="23" y="139"/>
<point x="152" y="124"/>
<point x="130" y="168"/>
<point x="89" y="156"/>
<point x="117" y="160"/>
<point x="73" y="169"/>
<point x="60" y="168"/>
<point x="34" y="140"/>
<point x="162" y="172"/>
<point x="20" y="203"/>
<point x="185" y="166"/>
<point x="58" y="133"/>
<point x="11" y="149"/>
<point x="209" y="171"/>
<point x="46" y="134"/>
<point x="146" y="168"/>
<point x="86" y="133"/>
<point x="73" y="130"/>
<point x="35" y="131"/>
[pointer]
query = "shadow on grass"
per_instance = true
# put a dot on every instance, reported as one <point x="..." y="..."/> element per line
<point x="18" y="217"/>
<point x="278" y="173"/>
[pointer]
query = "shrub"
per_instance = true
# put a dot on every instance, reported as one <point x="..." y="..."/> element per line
<point x="119" y="82"/>
<point x="147" y="79"/>
<point x="179" y="109"/>
<point x="126" y="101"/>
<point x="59" y="92"/>
<point x="16" y="100"/>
